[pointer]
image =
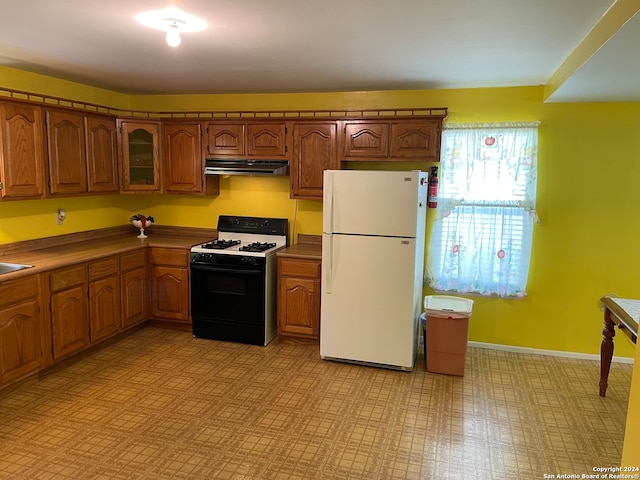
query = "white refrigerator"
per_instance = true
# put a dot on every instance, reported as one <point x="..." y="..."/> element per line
<point x="372" y="263"/>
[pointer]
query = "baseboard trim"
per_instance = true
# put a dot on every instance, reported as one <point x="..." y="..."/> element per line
<point x="552" y="353"/>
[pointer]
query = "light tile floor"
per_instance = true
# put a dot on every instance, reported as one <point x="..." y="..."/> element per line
<point x="159" y="404"/>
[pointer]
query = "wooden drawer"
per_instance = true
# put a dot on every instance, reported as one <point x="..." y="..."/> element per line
<point x="13" y="291"/>
<point x="67" y="278"/>
<point x="169" y="256"/>
<point x="132" y="261"/>
<point x="297" y="267"/>
<point x="103" y="268"/>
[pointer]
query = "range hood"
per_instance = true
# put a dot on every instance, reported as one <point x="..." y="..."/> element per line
<point x="214" y="166"/>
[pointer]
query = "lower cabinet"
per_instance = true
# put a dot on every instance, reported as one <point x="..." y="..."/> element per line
<point x="104" y="299"/>
<point x="299" y="297"/>
<point x="170" y="284"/>
<point x="88" y="302"/>
<point x="20" y="322"/>
<point x="69" y="310"/>
<point x="133" y="288"/>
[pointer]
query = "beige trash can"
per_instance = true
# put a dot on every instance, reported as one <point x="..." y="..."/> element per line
<point x="446" y="333"/>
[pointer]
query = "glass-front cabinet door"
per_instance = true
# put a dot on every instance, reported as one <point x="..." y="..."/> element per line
<point x="140" y="156"/>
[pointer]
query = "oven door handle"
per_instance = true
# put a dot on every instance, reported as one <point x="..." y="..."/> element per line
<point x="207" y="268"/>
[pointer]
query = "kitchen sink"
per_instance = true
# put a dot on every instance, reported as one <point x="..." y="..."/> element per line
<point x="12" y="267"/>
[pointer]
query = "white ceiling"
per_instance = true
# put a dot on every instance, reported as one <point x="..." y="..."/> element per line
<point x="264" y="46"/>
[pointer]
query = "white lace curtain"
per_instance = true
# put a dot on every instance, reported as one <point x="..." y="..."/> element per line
<point x="481" y="239"/>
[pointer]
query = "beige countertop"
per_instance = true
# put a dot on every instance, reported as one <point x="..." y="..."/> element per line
<point x="92" y="246"/>
<point x="308" y="246"/>
<point x="313" y="252"/>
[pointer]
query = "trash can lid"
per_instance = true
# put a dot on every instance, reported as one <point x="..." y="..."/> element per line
<point x="447" y="303"/>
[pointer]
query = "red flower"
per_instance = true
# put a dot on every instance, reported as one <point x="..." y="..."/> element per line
<point x="455" y="249"/>
<point x="501" y="253"/>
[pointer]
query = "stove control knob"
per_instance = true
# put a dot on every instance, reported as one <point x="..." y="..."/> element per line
<point x="252" y="260"/>
<point x="243" y="259"/>
<point x="265" y="223"/>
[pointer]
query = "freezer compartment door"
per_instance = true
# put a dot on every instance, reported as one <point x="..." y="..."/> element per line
<point x="374" y="202"/>
<point x="370" y="300"/>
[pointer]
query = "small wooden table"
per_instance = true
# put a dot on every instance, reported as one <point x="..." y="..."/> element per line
<point x="625" y="313"/>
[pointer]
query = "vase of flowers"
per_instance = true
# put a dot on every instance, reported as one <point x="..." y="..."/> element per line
<point x="141" y="221"/>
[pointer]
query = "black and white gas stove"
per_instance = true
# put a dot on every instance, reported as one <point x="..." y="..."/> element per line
<point x="233" y="280"/>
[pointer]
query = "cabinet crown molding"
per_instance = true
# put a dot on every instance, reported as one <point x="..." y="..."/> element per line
<point x="335" y="114"/>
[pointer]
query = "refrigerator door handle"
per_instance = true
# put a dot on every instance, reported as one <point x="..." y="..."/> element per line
<point x="328" y="271"/>
<point x="329" y="196"/>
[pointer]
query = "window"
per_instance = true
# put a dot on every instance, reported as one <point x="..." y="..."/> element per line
<point x="481" y="239"/>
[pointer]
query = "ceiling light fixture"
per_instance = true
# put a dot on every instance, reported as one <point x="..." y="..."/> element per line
<point x="173" y="31"/>
<point x="172" y="21"/>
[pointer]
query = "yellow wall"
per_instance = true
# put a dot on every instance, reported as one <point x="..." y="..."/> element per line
<point x="13" y="79"/>
<point x="589" y="176"/>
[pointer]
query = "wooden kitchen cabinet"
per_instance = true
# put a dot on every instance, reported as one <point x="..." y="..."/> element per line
<point x="82" y="153"/>
<point x="225" y="140"/>
<point x="184" y="162"/>
<point x="268" y="140"/>
<point x="314" y="151"/>
<point x="299" y="297"/>
<point x="391" y="140"/>
<point x="102" y="154"/>
<point x="67" y="154"/>
<point x="140" y="149"/>
<point x="20" y="322"/>
<point x="254" y="139"/>
<point x="69" y="305"/>
<point x="170" y="284"/>
<point x="104" y="299"/>
<point x="363" y="139"/>
<point x="22" y="153"/>
<point x="133" y="288"/>
<point x="183" y="167"/>
<point x="416" y="140"/>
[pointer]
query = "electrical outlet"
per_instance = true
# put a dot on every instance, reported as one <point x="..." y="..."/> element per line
<point x="62" y="214"/>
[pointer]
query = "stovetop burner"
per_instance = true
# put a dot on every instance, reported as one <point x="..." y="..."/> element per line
<point x="243" y="237"/>
<point x="220" y="244"/>
<point x="257" y="247"/>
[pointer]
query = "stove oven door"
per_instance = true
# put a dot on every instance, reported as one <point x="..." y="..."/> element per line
<point x="228" y="302"/>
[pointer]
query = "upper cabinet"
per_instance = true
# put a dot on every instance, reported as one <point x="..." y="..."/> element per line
<point x="267" y="140"/>
<point x="22" y="154"/>
<point x="67" y="154"/>
<point x="139" y="146"/>
<point x="225" y="139"/>
<point x="416" y="139"/>
<point x="314" y="151"/>
<point x="82" y="153"/>
<point x="256" y="139"/>
<point x="182" y="152"/>
<point x="183" y="167"/>
<point x="364" y="139"/>
<point x="102" y="154"/>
